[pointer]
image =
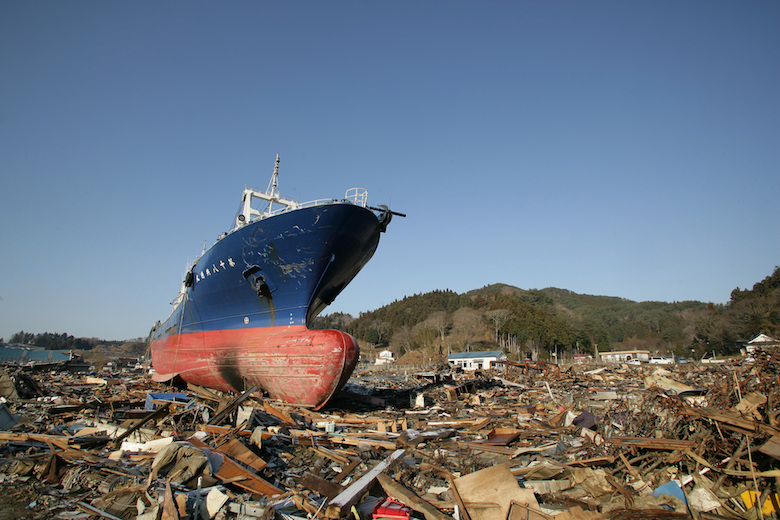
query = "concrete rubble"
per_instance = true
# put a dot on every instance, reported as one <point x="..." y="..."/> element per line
<point x="534" y="441"/>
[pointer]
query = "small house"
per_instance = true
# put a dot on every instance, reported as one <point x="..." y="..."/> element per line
<point x="385" y="357"/>
<point x="624" y="356"/>
<point x="475" y="360"/>
<point x="583" y="358"/>
<point x="761" y="341"/>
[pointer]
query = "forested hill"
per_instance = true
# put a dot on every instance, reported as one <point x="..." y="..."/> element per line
<point x="523" y="321"/>
<point x="92" y="348"/>
<point x="427" y="326"/>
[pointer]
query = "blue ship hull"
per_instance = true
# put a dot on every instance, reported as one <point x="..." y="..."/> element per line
<point x="279" y="271"/>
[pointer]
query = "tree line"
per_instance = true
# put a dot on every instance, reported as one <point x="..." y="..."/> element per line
<point x="63" y="341"/>
<point x="537" y="323"/>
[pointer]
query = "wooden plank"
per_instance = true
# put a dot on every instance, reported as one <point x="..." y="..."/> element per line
<point x="480" y="446"/>
<point x="518" y="511"/>
<point x="502" y="436"/>
<point x="533" y="449"/>
<point x="353" y="493"/>
<point x="355" y="441"/>
<point x="304" y="505"/>
<point x="346" y="471"/>
<point x="230" y="472"/>
<point x="455" y="423"/>
<point x="748" y="474"/>
<point x="631" y="469"/>
<point x="324" y="487"/>
<point x="595" y="461"/>
<point x="481" y="423"/>
<point x="279" y="414"/>
<point x="401" y="493"/>
<point x="736" y="422"/>
<point x="464" y="514"/>
<point x="771" y="447"/>
<point x="231" y="406"/>
<point x="653" y="443"/>
<point x="221" y="430"/>
<point x="235" y="449"/>
<point x="157" y="414"/>
<point x="58" y="440"/>
<point x="330" y="454"/>
<point x="204" y="392"/>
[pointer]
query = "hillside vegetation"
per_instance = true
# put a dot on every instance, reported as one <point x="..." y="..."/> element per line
<point x="549" y="322"/>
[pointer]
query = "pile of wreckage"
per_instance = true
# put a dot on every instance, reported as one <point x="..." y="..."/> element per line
<point x="519" y="442"/>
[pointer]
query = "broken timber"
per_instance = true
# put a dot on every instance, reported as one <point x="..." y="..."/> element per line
<point x="353" y="493"/>
<point x="410" y="498"/>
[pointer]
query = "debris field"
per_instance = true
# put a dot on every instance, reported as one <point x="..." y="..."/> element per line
<point x="522" y="441"/>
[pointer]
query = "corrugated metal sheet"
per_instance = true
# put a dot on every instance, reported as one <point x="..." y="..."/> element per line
<point x="472" y="355"/>
<point x="23" y="356"/>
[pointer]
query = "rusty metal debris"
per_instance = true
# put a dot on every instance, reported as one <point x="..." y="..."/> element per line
<point x="515" y="442"/>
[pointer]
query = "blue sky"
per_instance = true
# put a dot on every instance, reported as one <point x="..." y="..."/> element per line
<point x="619" y="148"/>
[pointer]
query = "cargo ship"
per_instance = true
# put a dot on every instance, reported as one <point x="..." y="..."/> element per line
<point x="241" y="319"/>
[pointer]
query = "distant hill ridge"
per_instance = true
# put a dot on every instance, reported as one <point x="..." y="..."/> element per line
<point x="523" y="321"/>
<point x="530" y="321"/>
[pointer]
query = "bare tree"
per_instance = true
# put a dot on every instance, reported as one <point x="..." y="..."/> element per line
<point x="402" y="341"/>
<point x="381" y="329"/>
<point x="424" y="334"/>
<point x="498" y="317"/>
<point x="468" y="326"/>
<point x="441" y="321"/>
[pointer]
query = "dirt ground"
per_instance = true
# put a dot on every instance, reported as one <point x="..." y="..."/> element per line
<point x="15" y="499"/>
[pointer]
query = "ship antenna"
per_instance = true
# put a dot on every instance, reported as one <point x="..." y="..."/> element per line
<point x="274" y="178"/>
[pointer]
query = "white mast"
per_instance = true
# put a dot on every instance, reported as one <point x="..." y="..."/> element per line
<point x="270" y="195"/>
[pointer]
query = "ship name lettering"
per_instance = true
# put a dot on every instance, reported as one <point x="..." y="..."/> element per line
<point x="214" y="269"/>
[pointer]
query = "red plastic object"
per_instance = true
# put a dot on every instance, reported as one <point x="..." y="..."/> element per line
<point x="390" y="508"/>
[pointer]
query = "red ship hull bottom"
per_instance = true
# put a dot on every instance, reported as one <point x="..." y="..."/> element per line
<point x="293" y="364"/>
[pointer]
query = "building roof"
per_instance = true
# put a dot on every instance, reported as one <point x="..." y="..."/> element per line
<point x="623" y="352"/>
<point x="473" y="355"/>
<point x="763" y="339"/>
<point x="19" y="355"/>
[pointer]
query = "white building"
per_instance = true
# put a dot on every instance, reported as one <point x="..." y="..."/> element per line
<point x="583" y="358"/>
<point x="624" y="356"/>
<point x="475" y="360"/>
<point x="760" y="342"/>
<point x="385" y="357"/>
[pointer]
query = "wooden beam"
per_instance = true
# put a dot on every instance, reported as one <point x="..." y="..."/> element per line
<point x="157" y="414"/>
<point x="652" y="443"/>
<point x="395" y="489"/>
<point x="235" y="449"/>
<point x="230" y="472"/>
<point x="353" y="493"/>
<point x="231" y="406"/>
<point x="346" y="471"/>
<point x="323" y="487"/>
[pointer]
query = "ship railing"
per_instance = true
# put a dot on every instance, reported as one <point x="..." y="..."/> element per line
<point x="356" y="196"/>
<point x="246" y="213"/>
<point x="311" y="203"/>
